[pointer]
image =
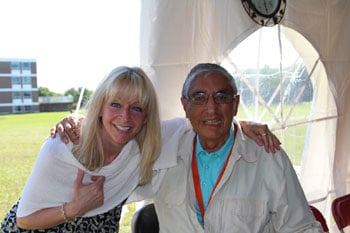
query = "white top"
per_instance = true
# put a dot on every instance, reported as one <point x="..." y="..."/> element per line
<point x="258" y="193"/>
<point x="51" y="181"/>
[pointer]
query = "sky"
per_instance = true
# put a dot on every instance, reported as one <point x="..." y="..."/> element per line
<point x="265" y="53"/>
<point x="74" y="42"/>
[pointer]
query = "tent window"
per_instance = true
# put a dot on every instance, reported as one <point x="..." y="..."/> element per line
<point x="276" y="87"/>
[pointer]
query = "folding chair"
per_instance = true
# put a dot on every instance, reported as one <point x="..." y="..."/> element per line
<point x="145" y="220"/>
<point x="341" y="211"/>
<point x="319" y="217"/>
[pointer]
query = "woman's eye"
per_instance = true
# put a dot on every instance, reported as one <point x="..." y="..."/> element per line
<point x="116" y="105"/>
<point x="137" y="109"/>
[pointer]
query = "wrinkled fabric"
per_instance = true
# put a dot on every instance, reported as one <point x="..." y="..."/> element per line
<point x="51" y="181"/>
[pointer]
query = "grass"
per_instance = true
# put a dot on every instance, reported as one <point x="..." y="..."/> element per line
<point x="21" y="138"/>
<point x="292" y="138"/>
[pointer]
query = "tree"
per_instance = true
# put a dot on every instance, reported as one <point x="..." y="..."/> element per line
<point x="44" y="91"/>
<point x="76" y="93"/>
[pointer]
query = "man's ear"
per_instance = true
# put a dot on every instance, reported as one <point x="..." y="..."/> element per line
<point x="184" y="102"/>
<point x="235" y="105"/>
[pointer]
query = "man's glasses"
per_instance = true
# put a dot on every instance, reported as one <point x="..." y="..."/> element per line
<point x="201" y="98"/>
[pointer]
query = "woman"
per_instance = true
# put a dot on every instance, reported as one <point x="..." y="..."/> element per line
<point x="81" y="188"/>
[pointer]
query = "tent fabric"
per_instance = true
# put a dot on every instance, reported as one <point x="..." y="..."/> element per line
<point x="175" y="35"/>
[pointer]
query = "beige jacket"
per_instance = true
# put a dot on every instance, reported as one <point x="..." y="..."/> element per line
<point x="258" y="192"/>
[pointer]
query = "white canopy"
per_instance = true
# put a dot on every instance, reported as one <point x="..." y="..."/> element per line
<point x="177" y="34"/>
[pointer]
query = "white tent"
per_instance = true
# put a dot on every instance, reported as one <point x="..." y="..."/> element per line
<point x="175" y="35"/>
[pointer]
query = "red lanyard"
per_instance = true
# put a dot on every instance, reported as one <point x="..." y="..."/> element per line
<point x="196" y="180"/>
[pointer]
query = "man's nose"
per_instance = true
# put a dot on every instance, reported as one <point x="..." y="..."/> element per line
<point x="211" y="104"/>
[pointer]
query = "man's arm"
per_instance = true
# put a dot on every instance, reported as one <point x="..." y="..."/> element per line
<point x="69" y="129"/>
<point x="291" y="209"/>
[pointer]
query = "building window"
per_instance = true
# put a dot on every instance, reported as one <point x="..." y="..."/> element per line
<point x="15" y="66"/>
<point x="17" y="108"/>
<point x="27" y="108"/>
<point x="27" y="80"/>
<point x="25" y="66"/>
<point x="16" y="80"/>
<point x="16" y="95"/>
<point x="27" y="95"/>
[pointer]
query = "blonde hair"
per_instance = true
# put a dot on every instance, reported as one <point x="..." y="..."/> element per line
<point x="134" y="81"/>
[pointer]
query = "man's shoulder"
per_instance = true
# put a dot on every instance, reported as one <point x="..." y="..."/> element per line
<point x="252" y="152"/>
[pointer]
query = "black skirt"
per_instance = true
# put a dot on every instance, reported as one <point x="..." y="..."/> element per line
<point x="103" y="223"/>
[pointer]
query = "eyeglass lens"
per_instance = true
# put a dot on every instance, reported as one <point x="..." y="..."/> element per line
<point x="201" y="98"/>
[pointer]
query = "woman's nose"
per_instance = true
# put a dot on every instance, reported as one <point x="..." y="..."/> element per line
<point x="124" y="113"/>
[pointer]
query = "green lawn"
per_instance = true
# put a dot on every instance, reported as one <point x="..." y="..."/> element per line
<point x="292" y="137"/>
<point x="21" y="138"/>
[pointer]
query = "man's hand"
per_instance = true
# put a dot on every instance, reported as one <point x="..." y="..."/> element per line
<point x="262" y="135"/>
<point x="68" y="128"/>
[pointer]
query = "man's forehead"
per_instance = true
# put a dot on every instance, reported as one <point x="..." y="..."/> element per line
<point x="210" y="81"/>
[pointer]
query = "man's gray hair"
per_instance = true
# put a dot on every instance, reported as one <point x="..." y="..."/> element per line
<point x="206" y="68"/>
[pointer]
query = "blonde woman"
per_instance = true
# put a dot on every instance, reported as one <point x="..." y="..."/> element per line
<point x="81" y="188"/>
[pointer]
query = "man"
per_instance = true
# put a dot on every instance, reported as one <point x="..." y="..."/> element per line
<point x="219" y="180"/>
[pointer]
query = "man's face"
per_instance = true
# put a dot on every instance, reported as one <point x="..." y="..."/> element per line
<point x="212" y="121"/>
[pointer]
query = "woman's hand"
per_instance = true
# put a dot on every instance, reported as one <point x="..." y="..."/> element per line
<point x="85" y="196"/>
<point x="262" y="135"/>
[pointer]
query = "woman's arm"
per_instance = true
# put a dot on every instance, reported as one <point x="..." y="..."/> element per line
<point x="69" y="128"/>
<point x="262" y="135"/>
<point x="85" y="198"/>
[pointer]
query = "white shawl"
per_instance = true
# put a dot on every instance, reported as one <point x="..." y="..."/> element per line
<point x="51" y="182"/>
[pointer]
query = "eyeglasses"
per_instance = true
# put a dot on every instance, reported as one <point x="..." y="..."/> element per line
<point x="201" y="98"/>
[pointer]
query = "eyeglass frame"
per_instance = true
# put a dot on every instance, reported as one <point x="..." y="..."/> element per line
<point x="190" y="98"/>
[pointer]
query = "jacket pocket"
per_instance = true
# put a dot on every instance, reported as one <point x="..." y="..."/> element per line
<point x="237" y="215"/>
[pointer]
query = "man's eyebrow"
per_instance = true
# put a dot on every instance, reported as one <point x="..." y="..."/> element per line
<point x="198" y="92"/>
<point x="223" y="90"/>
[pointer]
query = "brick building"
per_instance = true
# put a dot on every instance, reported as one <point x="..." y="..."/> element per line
<point x="18" y="86"/>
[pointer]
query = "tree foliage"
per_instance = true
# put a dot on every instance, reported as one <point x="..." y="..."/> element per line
<point x="293" y="85"/>
<point x="75" y="92"/>
<point x="44" y="91"/>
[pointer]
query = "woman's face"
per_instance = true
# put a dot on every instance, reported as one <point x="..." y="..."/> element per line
<point x="122" y="119"/>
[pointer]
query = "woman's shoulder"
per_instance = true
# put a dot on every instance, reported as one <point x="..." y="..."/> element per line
<point x="176" y="125"/>
<point x="54" y="148"/>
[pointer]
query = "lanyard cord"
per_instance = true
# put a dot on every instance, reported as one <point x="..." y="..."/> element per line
<point x="196" y="179"/>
